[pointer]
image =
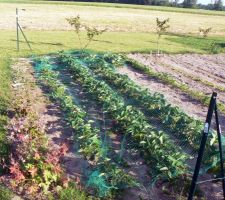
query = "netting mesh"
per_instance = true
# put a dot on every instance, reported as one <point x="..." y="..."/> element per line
<point x="118" y="147"/>
<point x="97" y="181"/>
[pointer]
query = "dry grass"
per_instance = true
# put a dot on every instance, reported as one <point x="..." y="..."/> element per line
<point x="52" y="17"/>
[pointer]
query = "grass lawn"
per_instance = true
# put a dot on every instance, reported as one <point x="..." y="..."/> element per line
<point x="4" y="99"/>
<point x="5" y="194"/>
<point x="118" y="42"/>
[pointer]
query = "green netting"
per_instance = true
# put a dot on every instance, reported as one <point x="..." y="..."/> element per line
<point x="95" y="178"/>
<point x="98" y="181"/>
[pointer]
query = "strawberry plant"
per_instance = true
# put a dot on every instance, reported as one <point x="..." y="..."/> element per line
<point x="187" y="129"/>
<point x="165" y="159"/>
<point x="171" y="117"/>
<point x="88" y="138"/>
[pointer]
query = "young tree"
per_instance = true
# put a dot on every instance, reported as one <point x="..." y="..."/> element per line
<point x="75" y="22"/>
<point x="91" y="33"/>
<point x="161" y="28"/>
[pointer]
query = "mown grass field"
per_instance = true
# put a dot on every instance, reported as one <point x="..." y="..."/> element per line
<point x="117" y="42"/>
<point x="52" y="17"/>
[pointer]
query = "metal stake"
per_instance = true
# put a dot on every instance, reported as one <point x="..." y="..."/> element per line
<point x="219" y="132"/>
<point x="25" y="37"/>
<point x="17" y="29"/>
<point x="202" y="145"/>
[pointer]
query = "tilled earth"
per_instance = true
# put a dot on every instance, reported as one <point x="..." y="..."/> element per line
<point x="202" y="73"/>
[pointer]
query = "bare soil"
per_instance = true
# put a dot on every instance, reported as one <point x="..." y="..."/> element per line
<point x="173" y="96"/>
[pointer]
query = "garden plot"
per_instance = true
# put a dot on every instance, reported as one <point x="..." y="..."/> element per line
<point x="122" y="149"/>
<point x="135" y="165"/>
<point x="200" y="73"/>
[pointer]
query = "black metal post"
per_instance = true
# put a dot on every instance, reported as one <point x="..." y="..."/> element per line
<point x="202" y="145"/>
<point x="219" y="132"/>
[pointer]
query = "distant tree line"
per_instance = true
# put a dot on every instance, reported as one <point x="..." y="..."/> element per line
<point x="215" y="5"/>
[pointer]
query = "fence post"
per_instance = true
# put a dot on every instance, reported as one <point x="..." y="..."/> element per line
<point x="17" y="29"/>
<point x="202" y="145"/>
<point x="219" y="133"/>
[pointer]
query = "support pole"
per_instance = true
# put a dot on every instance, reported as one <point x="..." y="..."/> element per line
<point x="17" y="30"/>
<point x="219" y="132"/>
<point x="25" y="37"/>
<point x="202" y="145"/>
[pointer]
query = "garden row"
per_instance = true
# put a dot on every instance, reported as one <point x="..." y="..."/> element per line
<point x="172" y="118"/>
<point x="184" y="128"/>
<point x="164" y="158"/>
<point x="106" y="176"/>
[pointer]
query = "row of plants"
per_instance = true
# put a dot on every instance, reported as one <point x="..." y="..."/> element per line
<point x="167" y="79"/>
<point x="33" y="168"/>
<point x="172" y="118"/>
<point x="164" y="158"/>
<point x="187" y="130"/>
<point x="106" y="176"/>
